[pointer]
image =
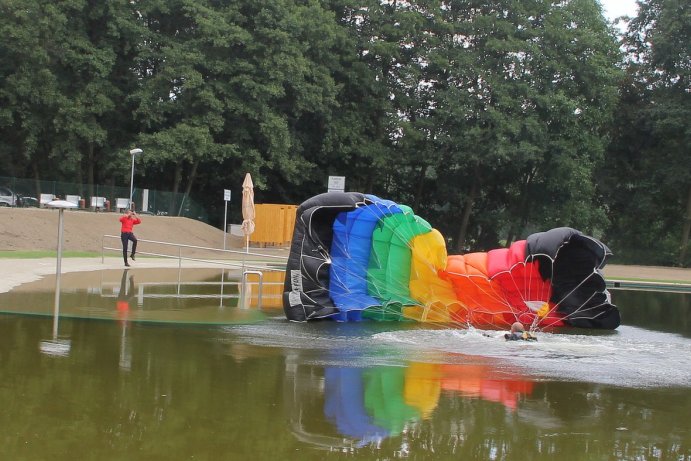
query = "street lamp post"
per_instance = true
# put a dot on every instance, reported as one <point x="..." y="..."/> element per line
<point x="61" y="205"/>
<point x="133" y="152"/>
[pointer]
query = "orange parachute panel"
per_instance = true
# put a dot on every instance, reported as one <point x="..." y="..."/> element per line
<point x="484" y="304"/>
<point x="479" y="381"/>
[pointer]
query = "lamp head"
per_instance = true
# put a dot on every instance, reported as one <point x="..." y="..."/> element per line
<point x="61" y="204"/>
<point x="136" y="151"/>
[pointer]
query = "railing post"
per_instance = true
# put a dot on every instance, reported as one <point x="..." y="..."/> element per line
<point x="244" y="287"/>
<point x="179" y="267"/>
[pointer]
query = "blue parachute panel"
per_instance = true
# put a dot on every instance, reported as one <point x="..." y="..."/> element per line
<point x="350" y="253"/>
<point x="345" y="405"/>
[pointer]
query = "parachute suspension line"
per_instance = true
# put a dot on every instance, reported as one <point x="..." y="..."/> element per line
<point x="535" y="325"/>
<point x="505" y="300"/>
<point x="581" y="309"/>
<point x="558" y="303"/>
<point x="477" y="305"/>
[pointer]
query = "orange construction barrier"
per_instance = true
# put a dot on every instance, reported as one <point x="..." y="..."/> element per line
<point x="273" y="224"/>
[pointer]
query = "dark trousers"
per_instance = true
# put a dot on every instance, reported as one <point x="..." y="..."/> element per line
<point x="125" y="236"/>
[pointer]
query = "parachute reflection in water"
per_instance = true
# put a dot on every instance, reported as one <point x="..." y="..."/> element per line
<point x="357" y="256"/>
<point x="369" y="404"/>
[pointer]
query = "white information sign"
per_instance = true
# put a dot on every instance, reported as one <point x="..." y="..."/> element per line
<point x="226" y="195"/>
<point x="336" y="184"/>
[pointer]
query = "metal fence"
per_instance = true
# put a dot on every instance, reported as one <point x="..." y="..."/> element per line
<point x="268" y="269"/>
<point x="29" y="193"/>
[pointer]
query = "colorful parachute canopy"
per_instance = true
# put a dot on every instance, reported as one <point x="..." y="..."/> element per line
<point x="356" y="255"/>
<point x="370" y="404"/>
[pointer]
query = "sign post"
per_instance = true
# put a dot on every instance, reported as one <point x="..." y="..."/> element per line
<point x="226" y="198"/>
<point x="336" y="184"/>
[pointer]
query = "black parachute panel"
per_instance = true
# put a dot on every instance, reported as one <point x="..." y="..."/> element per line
<point x="306" y="288"/>
<point x="573" y="262"/>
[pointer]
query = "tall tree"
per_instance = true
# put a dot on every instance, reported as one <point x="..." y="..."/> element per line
<point x="30" y="95"/>
<point x="650" y="158"/>
<point x="257" y="76"/>
<point x="177" y="109"/>
<point x="94" y="75"/>
<point x="522" y="93"/>
<point x="62" y="83"/>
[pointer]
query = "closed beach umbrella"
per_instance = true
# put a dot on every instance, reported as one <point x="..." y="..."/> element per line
<point x="247" y="208"/>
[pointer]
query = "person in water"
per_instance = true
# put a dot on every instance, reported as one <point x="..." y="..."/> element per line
<point x="518" y="333"/>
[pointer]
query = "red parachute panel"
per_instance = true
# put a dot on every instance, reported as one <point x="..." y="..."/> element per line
<point x="500" y="287"/>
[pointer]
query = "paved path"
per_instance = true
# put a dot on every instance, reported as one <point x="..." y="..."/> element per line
<point x="14" y="272"/>
<point x="656" y="273"/>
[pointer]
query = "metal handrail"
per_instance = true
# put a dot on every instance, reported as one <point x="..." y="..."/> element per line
<point x="247" y="267"/>
<point x="244" y="287"/>
<point x="180" y="246"/>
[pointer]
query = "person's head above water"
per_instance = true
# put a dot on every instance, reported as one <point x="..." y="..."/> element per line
<point x="517" y="327"/>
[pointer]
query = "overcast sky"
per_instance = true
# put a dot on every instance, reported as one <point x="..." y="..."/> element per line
<point x="615" y="8"/>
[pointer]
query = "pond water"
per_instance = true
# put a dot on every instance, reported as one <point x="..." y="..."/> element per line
<point x="165" y="365"/>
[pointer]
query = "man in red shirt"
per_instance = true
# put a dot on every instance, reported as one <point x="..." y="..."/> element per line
<point x="128" y="220"/>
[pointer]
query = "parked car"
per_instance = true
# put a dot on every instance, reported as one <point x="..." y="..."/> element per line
<point x="8" y="197"/>
<point x="27" y="201"/>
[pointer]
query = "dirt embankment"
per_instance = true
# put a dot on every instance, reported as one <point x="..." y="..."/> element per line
<point x="37" y="229"/>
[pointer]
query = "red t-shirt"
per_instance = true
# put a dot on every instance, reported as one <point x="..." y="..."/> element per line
<point x="128" y="222"/>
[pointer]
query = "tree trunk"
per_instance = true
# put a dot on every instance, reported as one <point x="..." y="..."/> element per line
<point x="467" y="210"/>
<point x="523" y="212"/>
<point x="686" y="231"/>
<point x="177" y="178"/>
<point x="369" y="181"/>
<point x="80" y="174"/>
<point x="190" y="181"/>
<point x="37" y="177"/>
<point x="420" y="186"/>
<point x="90" y="171"/>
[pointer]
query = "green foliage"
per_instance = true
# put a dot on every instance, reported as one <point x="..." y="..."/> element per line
<point x="649" y="179"/>
<point x="490" y="119"/>
<point x="520" y="99"/>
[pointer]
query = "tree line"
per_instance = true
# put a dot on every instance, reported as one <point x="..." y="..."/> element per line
<point x="491" y="119"/>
